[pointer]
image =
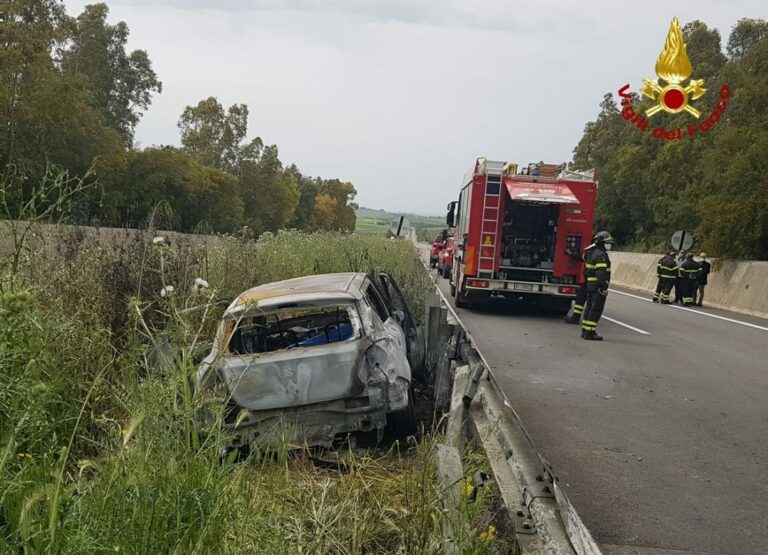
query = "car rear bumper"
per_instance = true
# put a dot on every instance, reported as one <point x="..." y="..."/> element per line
<point x="318" y="424"/>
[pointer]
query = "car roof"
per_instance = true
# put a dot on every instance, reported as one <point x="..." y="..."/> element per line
<point x="342" y="286"/>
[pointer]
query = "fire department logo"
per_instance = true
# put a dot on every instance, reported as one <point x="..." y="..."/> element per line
<point x="672" y="92"/>
<point x="674" y="68"/>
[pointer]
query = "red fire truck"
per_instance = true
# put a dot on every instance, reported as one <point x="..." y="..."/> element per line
<point x="514" y="231"/>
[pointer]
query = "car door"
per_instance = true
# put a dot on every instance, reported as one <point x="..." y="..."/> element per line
<point x="414" y="334"/>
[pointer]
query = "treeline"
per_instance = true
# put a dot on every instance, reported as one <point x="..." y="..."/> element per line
<point x="714" y="184"/>
<point x="71" y="96"/>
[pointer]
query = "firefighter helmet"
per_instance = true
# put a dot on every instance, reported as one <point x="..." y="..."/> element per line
<point x="602" y="237"/>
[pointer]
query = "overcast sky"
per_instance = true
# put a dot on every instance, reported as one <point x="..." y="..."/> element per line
<point x="400" y="96"/>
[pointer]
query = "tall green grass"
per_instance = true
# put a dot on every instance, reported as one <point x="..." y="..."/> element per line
<point x="100" y="446"/>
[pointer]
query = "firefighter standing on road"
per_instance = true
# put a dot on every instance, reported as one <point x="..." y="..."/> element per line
<point x="598" y="271"/>
<point x="689" y="279"/>
<point x="666" y="271"/>
<point x="703" y="274"/>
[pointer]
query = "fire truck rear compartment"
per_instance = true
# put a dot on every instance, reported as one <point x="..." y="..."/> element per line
<point x="525" y="276"/>
<point x="528" y="241"/>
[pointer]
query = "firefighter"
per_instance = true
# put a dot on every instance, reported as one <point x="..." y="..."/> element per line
<point x="689" y="279"/>
<point x="702" y="277"/>
<point x="666" y="271"/>
<point x="678" y="287"/>
<point x="574" y="317"/>
<point x="598" y="270"/>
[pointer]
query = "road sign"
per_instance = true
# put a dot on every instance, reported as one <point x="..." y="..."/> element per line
<point x="400" y="227"/>
<point x="682" y="240"/>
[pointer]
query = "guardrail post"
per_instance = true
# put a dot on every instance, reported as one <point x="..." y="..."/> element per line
<point x="446" y="351"/>
<point x="457" y="417"/>
<point x="449" y="477"/>
<point x="432" y="318"/>
<point x="476" y="369"/>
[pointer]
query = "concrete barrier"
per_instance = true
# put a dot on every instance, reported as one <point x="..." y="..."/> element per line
<point x="738" y="286"/>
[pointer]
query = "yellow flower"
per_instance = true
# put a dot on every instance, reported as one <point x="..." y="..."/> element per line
<point x="27" y="456"/>
<point x="467" y="488"/>
<point x="489" y="535"/>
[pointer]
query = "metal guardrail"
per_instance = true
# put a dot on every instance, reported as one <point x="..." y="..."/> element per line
<point x="543" y="517"/>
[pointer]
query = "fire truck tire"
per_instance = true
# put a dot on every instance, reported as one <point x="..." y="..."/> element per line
<point x="462" y="300"/>
<point x="558" y="305"/>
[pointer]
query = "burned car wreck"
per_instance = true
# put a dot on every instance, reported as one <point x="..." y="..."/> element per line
<point x="315" y="360"/>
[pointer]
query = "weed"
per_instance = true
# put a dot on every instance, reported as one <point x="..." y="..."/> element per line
<point x="100" y="444"/>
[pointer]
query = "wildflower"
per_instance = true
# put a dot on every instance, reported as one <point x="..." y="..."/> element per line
<point x="159" y="240"/>
<point x="25" y="456"/>
<point x="199" y="286"/>
<point x="128" y="432"/>
<point x="467" y="488"/>
<point x="489" y="535"/>
<point x="167" y="291"/>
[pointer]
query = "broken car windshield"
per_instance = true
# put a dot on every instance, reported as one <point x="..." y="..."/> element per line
<point x="293" y="327"/>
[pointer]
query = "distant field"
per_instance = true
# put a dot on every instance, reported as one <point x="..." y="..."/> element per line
<point x="371" y="226"/>
<point x="377" y="222"/>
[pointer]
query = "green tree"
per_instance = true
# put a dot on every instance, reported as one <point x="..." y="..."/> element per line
<point x="308" y="190"/>
<point x="324" y="212"/>
<point x="30" y="29"/>
<point x="270" y="194"/>
<point x="746" y="34"/>
<point x="216" y="137"/>
<point x="46" y="113"/>
<point x="196" y="193"/>
<point x="120" y="84"/>
<point x="342" y="193"/>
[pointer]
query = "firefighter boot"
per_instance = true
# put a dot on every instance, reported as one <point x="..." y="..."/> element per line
<point x="591" y="336"/>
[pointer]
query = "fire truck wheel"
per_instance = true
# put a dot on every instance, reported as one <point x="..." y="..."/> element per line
<point x="462" y="300"/>
<point x="562" y="306"/>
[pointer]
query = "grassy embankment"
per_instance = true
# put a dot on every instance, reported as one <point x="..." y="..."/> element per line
<point x="100" y="450"/>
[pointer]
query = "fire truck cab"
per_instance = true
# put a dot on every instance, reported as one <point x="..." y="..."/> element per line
<point x="520" y="234"/>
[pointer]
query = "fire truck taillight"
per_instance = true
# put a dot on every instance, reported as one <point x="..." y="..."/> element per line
<point x="566" y="290"/>
<point x="478" y="283"/>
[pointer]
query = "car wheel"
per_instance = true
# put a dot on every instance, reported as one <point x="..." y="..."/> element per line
<point x="402" y="423"/>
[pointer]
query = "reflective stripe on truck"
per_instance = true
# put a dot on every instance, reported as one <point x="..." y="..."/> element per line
<point x="561" y="290"/>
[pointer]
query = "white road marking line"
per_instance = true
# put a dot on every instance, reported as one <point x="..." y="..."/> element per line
<point x="763" y="328"/>
<point x="633" y="328"/>
<point x="630" y="295"/>
<point x="755" y="326"/>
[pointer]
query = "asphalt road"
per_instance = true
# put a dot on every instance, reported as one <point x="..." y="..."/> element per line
<point x="659" y="434"/>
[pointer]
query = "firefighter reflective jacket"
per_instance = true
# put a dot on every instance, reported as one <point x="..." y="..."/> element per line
<point x="667" y="268"/>
<point x="689" y="269"/>
<point x="597" y="267"/>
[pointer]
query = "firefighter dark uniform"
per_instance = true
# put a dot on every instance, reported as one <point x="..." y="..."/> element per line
<point x="581" y="292"/>
<point x="703" y="275"/>
<point x="598" y="270"/>
<point x="689" y="279"/>
<point x="666" y="271"/>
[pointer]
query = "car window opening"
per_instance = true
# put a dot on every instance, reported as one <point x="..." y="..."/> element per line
<point x="291" y="328"/>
